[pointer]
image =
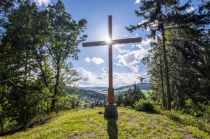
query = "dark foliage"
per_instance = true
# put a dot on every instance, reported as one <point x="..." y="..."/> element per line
<point x="144" y="105"/>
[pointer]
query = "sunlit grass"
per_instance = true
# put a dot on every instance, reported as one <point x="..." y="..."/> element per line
<point x="88" y="123"/>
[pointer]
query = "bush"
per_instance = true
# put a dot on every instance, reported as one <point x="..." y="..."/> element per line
<point x="68" y="102"/>
<point x="199" y="110"/>
<point x="144" y="105"/>
<point x="206" y="114"/>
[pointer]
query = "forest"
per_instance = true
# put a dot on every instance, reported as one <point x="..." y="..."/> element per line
<point x="38" y="45"/>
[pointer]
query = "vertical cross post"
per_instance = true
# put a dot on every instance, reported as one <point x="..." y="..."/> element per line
<point x="111" y="108"/>
<point x="110" y="89"/>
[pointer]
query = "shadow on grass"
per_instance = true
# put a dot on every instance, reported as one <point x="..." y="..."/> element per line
<point x="112" y="128"/>
<point x="148" y="111"/>
<point x="190" y="122"/>
<point x="175" y="118"/>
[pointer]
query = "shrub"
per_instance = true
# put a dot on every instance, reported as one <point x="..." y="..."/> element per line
<point x="206" y="113"/>
<point x="68" y="102"/>
<point x="200" y="110"/>
<point x="144" y="105"/>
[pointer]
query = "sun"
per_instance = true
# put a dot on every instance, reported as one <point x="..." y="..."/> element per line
<point x="108" y="40"/>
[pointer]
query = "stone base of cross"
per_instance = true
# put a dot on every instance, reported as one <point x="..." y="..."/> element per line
<point x="111" y="107"/>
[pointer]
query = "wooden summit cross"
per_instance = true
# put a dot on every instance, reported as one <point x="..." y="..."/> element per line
<point x="110" y="109"/>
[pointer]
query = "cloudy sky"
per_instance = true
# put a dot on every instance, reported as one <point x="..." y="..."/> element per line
<point x="92" y="65"/>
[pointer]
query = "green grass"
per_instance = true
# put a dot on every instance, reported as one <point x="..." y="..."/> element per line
<point x="89" y="124"/>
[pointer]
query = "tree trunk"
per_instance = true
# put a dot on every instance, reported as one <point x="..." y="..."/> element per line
<point x="55" y="89"/>
<point x="180" y="98"/>
<point x="166" y="71"/>
<point x="1" y="126"/>
<point x="41" y="69"/>
<point x="162" y="85"/>
<point x="26" y="67"/>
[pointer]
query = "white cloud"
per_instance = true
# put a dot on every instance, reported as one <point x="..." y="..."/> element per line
<point x="90" y="79"/>
<point x="126" y="78"/>
<point x="119" y="48"/>
<point x="42" y="2"/>
<point x="131" y="60"/>
<point x="132" y="56"/>
<point x="95" y="60"/>
<point x="190" y="9"/>
<point x="137" y="1"/>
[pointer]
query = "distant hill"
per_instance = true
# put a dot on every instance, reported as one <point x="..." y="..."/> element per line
<point x="87" y="95"/>
<point x="142" y="86"/>
<point x="123" y="89"/>
<point x="93" y="94"/>
<point x="93" y="88"/>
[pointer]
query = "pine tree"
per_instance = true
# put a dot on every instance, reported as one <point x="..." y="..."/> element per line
<point x="155" y="14"/>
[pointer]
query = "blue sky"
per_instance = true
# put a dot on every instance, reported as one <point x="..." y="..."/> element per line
<point x="92" y="65"/>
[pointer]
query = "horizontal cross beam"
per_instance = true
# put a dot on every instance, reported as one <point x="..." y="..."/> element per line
<point x="118" y="41"/>
<point x="124" y="41"/>
<point x="96" y="43"/>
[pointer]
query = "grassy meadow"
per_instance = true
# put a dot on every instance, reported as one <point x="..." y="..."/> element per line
<point x="90" y="123"/>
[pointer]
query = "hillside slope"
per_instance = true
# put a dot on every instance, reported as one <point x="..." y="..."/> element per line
<point x="89" y="95"/>
<point x="121" y="90"/>
<point x="89" y="124"/>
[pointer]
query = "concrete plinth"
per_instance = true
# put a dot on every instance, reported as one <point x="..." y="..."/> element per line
<point x="111" y="111"/>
